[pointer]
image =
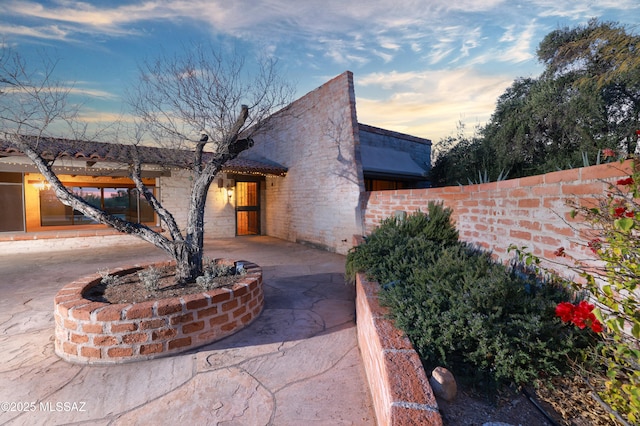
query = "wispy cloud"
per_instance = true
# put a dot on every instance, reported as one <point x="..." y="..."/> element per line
<point x="428" y="103"/>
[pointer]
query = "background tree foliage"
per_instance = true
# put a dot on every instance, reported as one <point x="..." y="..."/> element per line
<point x="587" y="99"/>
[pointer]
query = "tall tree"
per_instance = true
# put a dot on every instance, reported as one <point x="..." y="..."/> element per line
<point x="206" y="104"/>
<point x="587" y="99"/>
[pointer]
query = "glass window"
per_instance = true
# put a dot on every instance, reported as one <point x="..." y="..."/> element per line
<point x="121" y="202"/>
<point x="11" y="210"/>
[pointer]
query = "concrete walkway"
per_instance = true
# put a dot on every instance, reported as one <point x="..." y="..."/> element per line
<point x="297" y="364"/>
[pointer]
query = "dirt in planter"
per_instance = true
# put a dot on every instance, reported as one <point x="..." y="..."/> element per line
<point x="569" y="402"/>
<point x="130" y="289"/>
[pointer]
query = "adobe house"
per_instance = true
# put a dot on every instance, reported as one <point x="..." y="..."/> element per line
<point x="302" y="181"/>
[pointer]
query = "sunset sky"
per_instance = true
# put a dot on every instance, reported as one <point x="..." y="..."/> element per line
<point x="419" y="66"/>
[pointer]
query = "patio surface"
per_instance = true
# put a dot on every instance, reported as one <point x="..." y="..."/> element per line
<point x="297" y="364"/>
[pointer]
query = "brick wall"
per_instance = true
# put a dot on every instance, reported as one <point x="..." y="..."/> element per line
<point x="398" y="383"/>
<point x="317" y="140"/>
<point x="529" y="211"/>
<point x="101" y="333"/>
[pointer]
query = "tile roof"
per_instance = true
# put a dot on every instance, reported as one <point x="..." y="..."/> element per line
<point x="51" y="148"/>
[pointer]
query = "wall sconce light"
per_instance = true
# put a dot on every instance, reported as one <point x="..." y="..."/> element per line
<point x="42" y="185"/>
<point x="229" y="191"/>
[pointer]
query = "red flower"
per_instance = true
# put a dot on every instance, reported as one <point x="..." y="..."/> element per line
<point x="596" y="326"/>
<point x="630" y="214"/>
<point x="627" y="181"/>
<point x="581" y="315"/>
<point x="595" y="245"/>
<point x="608" y="152"/>
<point x="564" y="310"/>
<point x="619" y="211"/>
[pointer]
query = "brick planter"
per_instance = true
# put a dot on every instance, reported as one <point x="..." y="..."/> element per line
<point x="399" y="386"/>
<point x="90" y="332"/>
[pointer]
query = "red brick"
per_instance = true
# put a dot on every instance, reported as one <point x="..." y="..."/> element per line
<point x="122" y="327"/>
<point x="168" y="306"/>
<point x="140" y="310"/>
<point x="69" y="297"/>
<point x="152" y="324"/>
<point x="192" y="327"/>
<point x="135" y="338"/>
<point x="179" y="343"/>
<point x="245" y="298"/>
<point x="521" y="235"/>
<point x="70" y="324"/>
<point x="179" y="319"/>
<point x="229" y="327"/>
<point x="241" y="310"/>
<point x="412" y="416"/>
<point x="407" y="379"/>
<point x="195" y="301"/>
<point x="247" y="318"/>
<point x="70" y="348"/>
<point x="79" y="338"/>
<point x="583" y="188"/>
<point x="109" y="313"/>
<point x="528" y="203"/>
<point x="89" y="352"/>
<point x="104" y="340"/>
<point x="220" y="297"/>
<point x="239" y="290"/>
<point x="527" y="224"/>
<point x="92" y="328"/>
<point x="163" y="334"/>
<point x="119" y="352"/>
<point x="232" y="304"/>
<point x="153" y="348"/>
<point x="207" y="312"/>
<point x="219" y="320"/>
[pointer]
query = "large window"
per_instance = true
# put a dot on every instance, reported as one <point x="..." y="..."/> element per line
<point x="123" y="202"/>
<point x="11" y="202"/>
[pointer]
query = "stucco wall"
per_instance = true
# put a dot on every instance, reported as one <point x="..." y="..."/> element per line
<point x="316" y="138"/>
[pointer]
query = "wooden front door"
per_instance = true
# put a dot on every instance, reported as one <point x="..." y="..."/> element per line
<point x="248" y="208"/>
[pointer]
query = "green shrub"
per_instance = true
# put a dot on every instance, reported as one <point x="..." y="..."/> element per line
<point x="399" y="243"/>
<point x="465" y="311"/>
<point x="460" y="308"/>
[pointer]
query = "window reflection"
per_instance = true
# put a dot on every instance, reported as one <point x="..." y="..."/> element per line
<point x="121" y="202"/>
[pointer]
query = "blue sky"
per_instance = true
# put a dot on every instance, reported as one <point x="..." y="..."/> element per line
<point x="419" y="66"/>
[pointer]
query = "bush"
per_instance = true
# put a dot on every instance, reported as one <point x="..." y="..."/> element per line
<point x="480" y="318"/>
<point x="150" y="278"/>
<point x="460" y="308"/>
<point x="397" y="244"/>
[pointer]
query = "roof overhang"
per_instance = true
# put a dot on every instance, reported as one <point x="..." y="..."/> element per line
<point x="387" y="162"/>
<point x="85" y="155"/>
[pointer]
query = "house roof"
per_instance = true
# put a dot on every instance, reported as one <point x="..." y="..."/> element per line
<point x="52" y="148"/>
<point x="389" y="162"/>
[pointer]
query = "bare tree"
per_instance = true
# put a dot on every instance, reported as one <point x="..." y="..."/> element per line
<point x="205" y="105"/>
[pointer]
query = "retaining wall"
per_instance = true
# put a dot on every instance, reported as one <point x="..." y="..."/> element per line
<point x="399" y="387"/>
<point x="92" y="332"/>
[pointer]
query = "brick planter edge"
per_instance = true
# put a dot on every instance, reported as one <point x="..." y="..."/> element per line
<point x="89" y="332"/>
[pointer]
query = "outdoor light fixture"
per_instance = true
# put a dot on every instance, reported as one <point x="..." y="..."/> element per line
<point x="42" y="185"/>
<point x="229" y="191"/>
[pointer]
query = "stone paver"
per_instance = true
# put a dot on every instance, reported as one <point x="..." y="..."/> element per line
<point x="298" y="363"/>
